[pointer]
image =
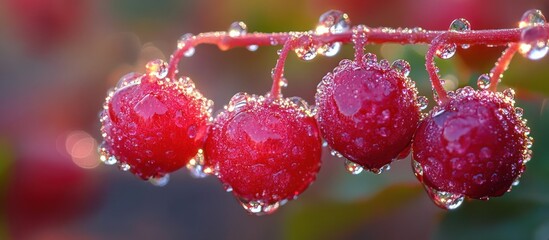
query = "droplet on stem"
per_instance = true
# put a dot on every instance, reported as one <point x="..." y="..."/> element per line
<point x="460" y="25"/>
<point x="532" y="17"/>
<point x="237" y="29"/>
<point x="423" y="102"/>
<point x="333" y="21"/>
<point x="533" y="42"/>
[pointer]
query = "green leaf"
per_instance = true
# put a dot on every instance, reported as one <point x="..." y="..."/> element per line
<point x="328" y="219"/>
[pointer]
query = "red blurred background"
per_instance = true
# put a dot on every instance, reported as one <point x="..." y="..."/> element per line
<point x="58" y="58"/>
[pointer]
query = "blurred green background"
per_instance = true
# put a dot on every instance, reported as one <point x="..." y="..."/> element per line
<point x="58" y="58"/>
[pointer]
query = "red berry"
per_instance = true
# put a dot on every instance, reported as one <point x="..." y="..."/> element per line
<point x="266" y="150"/>
<point x="153" y="126"/>
<point x="475" y="145"/>
<point x="368" y="111"/>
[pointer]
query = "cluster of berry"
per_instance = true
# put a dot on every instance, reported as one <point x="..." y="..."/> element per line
<point x="267" y="149"/>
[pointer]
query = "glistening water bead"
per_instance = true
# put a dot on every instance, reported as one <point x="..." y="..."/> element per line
<point x="332" y="22"/>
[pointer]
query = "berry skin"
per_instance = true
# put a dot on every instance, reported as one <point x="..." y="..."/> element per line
<point x="266" y="150"/>
<point x="474" y="145"/>
<point x="153" y="126"/>
<point x="368" y="111"/>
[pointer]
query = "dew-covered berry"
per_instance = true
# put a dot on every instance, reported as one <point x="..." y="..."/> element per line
<point x="153" y="125"/>
<point x="265" y="150"/>
<point x="368" y="111"/>
<point x="475" y="145"/>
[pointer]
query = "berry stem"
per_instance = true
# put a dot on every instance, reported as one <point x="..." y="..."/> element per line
<point x="494" y="37"/>
<point x="359" y="39"/>
<point x="501" y="65"/>
<point x="278" y="70"/>
<point x="432" y="70"/>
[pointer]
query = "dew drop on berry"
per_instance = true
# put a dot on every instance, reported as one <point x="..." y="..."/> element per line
<point x="483" y="81"/>
<point x="300" y="103"/>
<point x="445" y="200"/>
<point x="418" y="169"/>
<point x="196" y="165"/>
<point x="336" y="154"/>
<point x="237" y="29"/>
<point x="352" y="167"/>
<point x="111" y="160"/>
<point x="238" y="101"/>
<point x="423" y="102"/>
<point x="157" y="68"/>
<point x="160" y="181"/>
<point x="402" y="67"/>
<point x="382" y="169"/>
<point x="370" y="59"/>
<point x="516" y="182"/>
<point x="509" y="93"/>
<point x="252" y="48"/>
<point x="259" y="208"/>
<point x="128" y="79"/>
<point x="533" y="42"/>
<point x="519" y="112"/>
<point x="227" y="187"/>
<point x="103" y="152"/>
<point x="124" y="167"/>
<point x="532" y="17"/>
<point x="446" y="51"/>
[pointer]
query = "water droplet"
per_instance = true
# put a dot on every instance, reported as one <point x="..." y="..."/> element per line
<point x="519" y="112"/>
<point x="160" y="181"/>
<point x="238" y="101"/>
<point x="532" y="17"/>
<point x="306" y="53"/>
<point x="259" y="208"/>
<point x="237" y="29"/>
<point x="252" y="48"/>
<point x="182" y="41"/>
<point x="124" y="167"/>
<point x="418" y="169"/>
<point x="460" y="25"/>
<point x="283" y="82"/>
<point x="227" y="187"/>
<point x="128" y="79"/>
<point x="324" y="144"/>
<point x="445" y="200"/>
<point x="336" y="154"/>
<point x="423" y="102"/>
<point x="352" y="167"/>
<point x="369" y="59"/>
<point x="446" y="51"/>
<point x="196" y="165"/>
<point x="402" y="67"/>
<point x="329" y="50"/>
<point x="483" y="81"/>
<point x="382" y="169"/>
<point x="533" y="42"/>
<point x="299" y="102"/>
<point x="516" y="182"/>
<point x="189" y="52"/>
<point x="509" y="93"/>
<point x="333" y="21"/>
<point x="103" y="152"/>
<point x="157" y="68"/>
<point x="111" y="160"/>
